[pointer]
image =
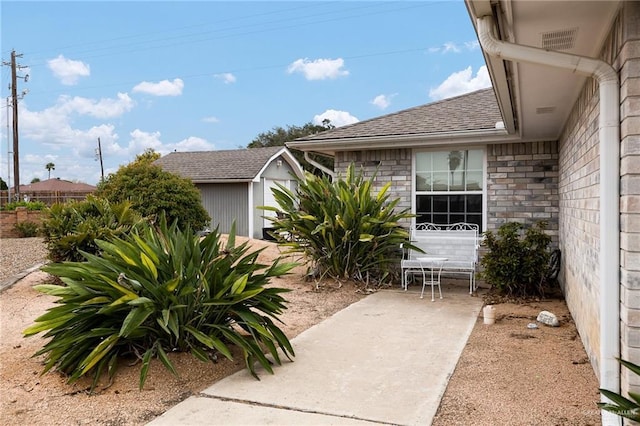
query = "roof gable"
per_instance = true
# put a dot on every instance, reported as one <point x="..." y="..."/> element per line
<point x="472" y="111"/>
<point x="230" y="165"/>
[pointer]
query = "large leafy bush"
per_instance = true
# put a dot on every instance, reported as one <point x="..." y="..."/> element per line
<point x="154" y="192"/>
<point x="517" y="260"/>
<point x="72" y="228"/>
<point x="157" y="291"/>
<point x="344" y="230"/>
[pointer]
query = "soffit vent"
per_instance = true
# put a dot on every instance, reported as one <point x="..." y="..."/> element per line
<point x="559" y="40"/>
<point x="545" y="110"/>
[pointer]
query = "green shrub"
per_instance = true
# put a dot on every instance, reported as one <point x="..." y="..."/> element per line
<point x="73" y="227"/>
<point x="157" y="291"/>
<point x="517" y="260"/>
<point x="30" y="205"/>
<point x="26" y="229"/>
<point x="344" y="230"/>
<point x="154" y="192"/>
<point x="621" y="406"/>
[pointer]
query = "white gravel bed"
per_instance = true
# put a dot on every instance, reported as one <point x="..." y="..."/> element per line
<point x="20" y="254"/>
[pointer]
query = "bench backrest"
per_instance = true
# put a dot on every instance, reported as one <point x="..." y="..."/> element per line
<point x="455" y="242"/>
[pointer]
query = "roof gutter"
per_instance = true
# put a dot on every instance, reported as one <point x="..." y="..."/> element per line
<point x="418" y="140"/>
<point x="609" y="144"/>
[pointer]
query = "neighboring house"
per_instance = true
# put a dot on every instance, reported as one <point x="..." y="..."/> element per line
<point x="55" y="190"/>
<point x="233" y="183"/>
<point x="566" y="78"/>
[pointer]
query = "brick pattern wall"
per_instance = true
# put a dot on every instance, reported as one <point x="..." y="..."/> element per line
<point x="8" y="220"/>
<point x="393" y="165"/>
<point x="626" y="41"/>
<point x="578" y="189"/>
<point x="522" y="185"/>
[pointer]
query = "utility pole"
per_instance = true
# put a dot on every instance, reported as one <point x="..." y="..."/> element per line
<point x="99" y="154"/>
<point x="8" y="153"/>
<point x="14" y="96"/>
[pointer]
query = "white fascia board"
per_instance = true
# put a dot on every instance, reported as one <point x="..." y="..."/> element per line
<point x="407" y="141"/>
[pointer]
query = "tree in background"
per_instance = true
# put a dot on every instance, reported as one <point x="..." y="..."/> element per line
<point x="278" y="136"/>
<point x="3" y="185"/>
<point x="35" y="180"/>
<point x="152" y="191"/>
<point x="49" y="167"/>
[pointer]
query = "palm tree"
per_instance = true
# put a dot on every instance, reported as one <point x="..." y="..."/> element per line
<point x="49" y="167"/>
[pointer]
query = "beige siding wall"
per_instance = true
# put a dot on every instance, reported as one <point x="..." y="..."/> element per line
<point x="579" y="190"/>
<point x="579" y="199"/>
<point x="627" y="36"/>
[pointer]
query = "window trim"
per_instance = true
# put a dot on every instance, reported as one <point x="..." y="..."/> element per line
<point x="445" y="148"/>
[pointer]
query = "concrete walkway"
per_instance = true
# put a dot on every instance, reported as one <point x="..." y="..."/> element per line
<point x="383" y="360"/>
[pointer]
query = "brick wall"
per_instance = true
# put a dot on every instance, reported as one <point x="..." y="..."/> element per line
<point x="8" y="220"/>
<point x="522" y="185"/>
<point x="626" y="41"/>
<point x="393" y="165"/>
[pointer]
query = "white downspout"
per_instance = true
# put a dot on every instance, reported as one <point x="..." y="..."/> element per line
<point x="609" y="145"/>
<point x="313" y="162"/>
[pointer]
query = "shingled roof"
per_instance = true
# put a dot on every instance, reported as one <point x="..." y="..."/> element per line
<point x="56" y="184"/>
<point x="472" y="111"/>
<point x="216" y="166"/>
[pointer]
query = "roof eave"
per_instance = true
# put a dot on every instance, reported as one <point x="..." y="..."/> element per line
<point x="404" y="141"/>
<point x="496" y="67"/>
<point x="203" y="181"/>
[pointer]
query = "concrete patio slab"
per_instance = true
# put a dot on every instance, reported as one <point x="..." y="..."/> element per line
<point x="385" y="359"/>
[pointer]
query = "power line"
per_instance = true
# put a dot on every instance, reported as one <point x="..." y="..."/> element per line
<point x="224" y="33"/>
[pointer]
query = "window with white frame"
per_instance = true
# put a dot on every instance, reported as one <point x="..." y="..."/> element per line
<point x="449" y="186"/>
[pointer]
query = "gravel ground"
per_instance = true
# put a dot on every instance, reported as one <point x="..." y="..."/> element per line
<point x="19" y="254"/>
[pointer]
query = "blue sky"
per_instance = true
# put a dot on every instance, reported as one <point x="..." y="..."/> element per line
<point x="212" y="75"/>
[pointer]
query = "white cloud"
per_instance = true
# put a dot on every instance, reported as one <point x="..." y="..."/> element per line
<point x="52" y="127"/>
<point x="472" y="45"/>
<point x="211" y="119"/>
<point x="227" y="77"/>
<point x="192" y="143"/>
<point x="461" y="82"/>
<point x="320" y="69"/>
<point x="382" y="101"/>
<point x="68" y="71"/>
<point x="104" y="108"/>
<point x="162" y="88"/>
<point x="452" y="47"/>
<point x="141" y="140"/>
<point x="337" y="118"/>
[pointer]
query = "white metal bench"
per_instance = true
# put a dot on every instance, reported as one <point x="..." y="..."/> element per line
<point x="458" y="243"/>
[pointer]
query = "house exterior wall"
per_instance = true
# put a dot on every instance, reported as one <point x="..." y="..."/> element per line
<point x="579" y="199"/>
<point x="226" y="202"/>
<point x="579" y="191"/>
<point x="393" y="165"/>
<point x="522" y="185"/>
<point x="626" y="44"/>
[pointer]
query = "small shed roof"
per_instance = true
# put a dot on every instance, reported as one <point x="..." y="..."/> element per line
<point x="57" y="184"/>
<point x="236" y="165"/>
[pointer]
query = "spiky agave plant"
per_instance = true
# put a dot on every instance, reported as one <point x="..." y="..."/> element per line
<point x="158" y="290"/>
<point x="341" y="226"/>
